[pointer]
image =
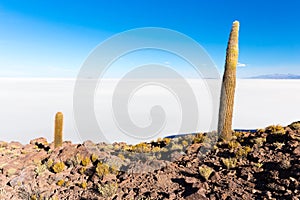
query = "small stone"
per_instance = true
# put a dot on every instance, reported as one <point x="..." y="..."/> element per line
<point x="215" y="177"/>
<point x="3" y="144"/>
<point x="293" y="143"/>
<point x="191" y="180"/>
<point x="188" y="164"/>
<point x="224" y="196"/>
<point x="15" y="182"/>
<point x="175" y="156"/>
<point x="285" y="164"/>
<point x="10" y="172"/>
<point x="172" y="196"/>
<point x="199" y="195"/>
<point x="109" y="178"/>
<point x="212" y="197"/>
<point x="39" y="141"/>
<point x="297" y="151"/>
<point x="194" y="148"/>
<point x="15" y="145"/>
<point x="89" y="143"/>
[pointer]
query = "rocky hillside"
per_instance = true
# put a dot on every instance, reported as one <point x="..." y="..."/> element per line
<point x="261" y="165"/>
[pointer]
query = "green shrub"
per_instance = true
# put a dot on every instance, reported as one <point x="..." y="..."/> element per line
<point x="229" y="162"/>
<point x="199" y="138"/>
<point x="40" y="168"/>
<point x="121" y="156"/>
<point x="258" y="165"/>
<point x="278" y="145"/>
<point x="175" y="147"/>
<point x="113" y="169"/>
<point x="82" y="170"/>
<point x="238" y="134"/>
<point x="58" y="167"/>
<point x="85" y="161"/>
<point x="141" y="148"/>
<point x="166" y="141"/>
<point x="36" y="197"/>
<point x="185" y="143"/>
<point x="11" y="172"/>
<point x="102" y="169"/>
<point x="49" y="163"/>
<point x="60" y="182"/>
<point x="108" y="190"/>
<point x="205" y="171"/>
<point x="155" y="149"/>
<point x="83" y="185"/>
<point x="259" y="141"/>
<point x="77" y="160"/>
<point x="233" y="144"/>
<point x="275" y="129"/>
<point x="295" y="125"/>
<point x="243" y="151"/>
<point x="94" y="158"/>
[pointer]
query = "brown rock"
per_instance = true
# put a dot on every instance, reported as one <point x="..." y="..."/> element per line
<point x="215" y="177"/>
<point x="3" y="180"/>
<point x="175" y="156"/>
<point x="224" y="196"/>
<point x="24" y="177"/>
<point x="293" y="143"/>
<point x="199" y="195"/>
<point x="148" y="177"/>
<point x="3" y="144"/>
<point x="297" y="151"/>
<point x="11" y="168"/>
<point x="39" y="141"/>
<point x="194" y="148"/>
<point x="191" y="180"/>
<point x="109" y="178"/>
<point x="15" y="145"/>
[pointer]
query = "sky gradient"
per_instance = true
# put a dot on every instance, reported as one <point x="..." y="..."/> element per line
<point x="53" y="38"/>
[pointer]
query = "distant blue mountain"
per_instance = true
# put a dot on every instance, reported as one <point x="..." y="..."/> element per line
<point x="276" y="76"/>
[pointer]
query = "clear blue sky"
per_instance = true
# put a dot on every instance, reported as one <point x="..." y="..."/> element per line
<point x="52" y="38"/>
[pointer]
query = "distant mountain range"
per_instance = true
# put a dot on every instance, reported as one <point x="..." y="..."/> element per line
<point x="276" y="76"/>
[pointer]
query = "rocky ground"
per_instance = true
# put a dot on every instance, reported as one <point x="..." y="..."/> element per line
<point x="264" y="164"/>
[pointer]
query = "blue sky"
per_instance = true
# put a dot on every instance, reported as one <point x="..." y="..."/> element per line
<point x="53" y="38"/>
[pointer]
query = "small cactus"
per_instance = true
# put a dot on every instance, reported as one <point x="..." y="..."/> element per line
<point x="228" y="85"/>
<point x="58" y="130"/>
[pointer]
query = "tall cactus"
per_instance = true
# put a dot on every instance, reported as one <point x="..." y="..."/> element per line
<point x="228" y="85"/>
<point x="58" y="133"/>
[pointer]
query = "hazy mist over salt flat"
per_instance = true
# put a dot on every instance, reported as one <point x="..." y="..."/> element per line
<point x="28" y="107"/>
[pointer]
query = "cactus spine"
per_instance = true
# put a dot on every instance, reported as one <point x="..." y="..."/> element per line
<point x="228" y="85"/>
<point x="58" y="130"/>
